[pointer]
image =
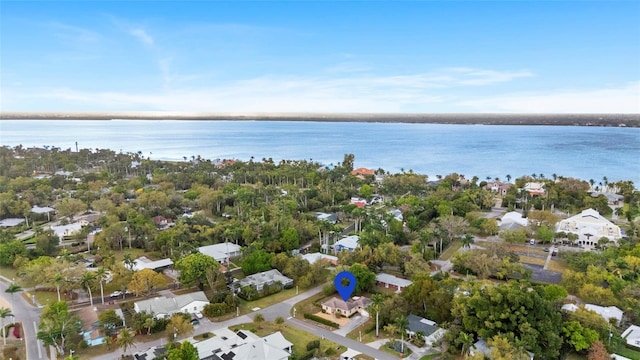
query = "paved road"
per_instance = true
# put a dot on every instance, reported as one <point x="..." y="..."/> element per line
<point x="282" y="309"/>
<point x="29" y="315"/>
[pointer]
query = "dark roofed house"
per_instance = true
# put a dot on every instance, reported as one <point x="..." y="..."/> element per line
<point x="432" y="333"/>
<point x="346" y="308"/>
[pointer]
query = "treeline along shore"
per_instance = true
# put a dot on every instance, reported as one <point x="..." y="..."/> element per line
<point x="618" y="120"/>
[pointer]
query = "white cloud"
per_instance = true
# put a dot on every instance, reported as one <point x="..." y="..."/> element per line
<point x="427" y="92"/>
<point x="142" y="36"/>
<point x="621" y="99"/>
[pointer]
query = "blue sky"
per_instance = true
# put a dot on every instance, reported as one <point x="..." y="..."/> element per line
<point x="305" y="56"/>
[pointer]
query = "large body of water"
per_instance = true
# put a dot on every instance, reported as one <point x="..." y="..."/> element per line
<point x="432" y="149"/>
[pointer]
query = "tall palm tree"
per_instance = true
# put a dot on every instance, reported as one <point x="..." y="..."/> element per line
<point x="88" y="281"/>
<point x="466" y="341"/>
<point x="402" y="323"/>
<point x="4" y="313"/>
<point x="125" y="339"/>
<point x="467" y="240"/>
<point x="57" y="280"/>
<point x="12" y="289"/>
<point x="101" y="274"/>
<point x="376" y="301"/>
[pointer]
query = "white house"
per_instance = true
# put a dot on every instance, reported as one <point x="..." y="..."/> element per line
<point x="66" y="230"/>
<point x="243" y="345"/>
<point x="164" y="307"/>
<point x="312" y="258"/>
<point x="590" y="226"/>
<point x="260" y="280"/>
<point x="534" y="188"/>
<point x="632" y="336"/>
<point x="221" y="252"/>
<point x="607" y="312"/>
<point x="513" y="220"/>
<point x="145" y="263"/>
<point x="389" y="281"/>
<point x="349" y="243"/>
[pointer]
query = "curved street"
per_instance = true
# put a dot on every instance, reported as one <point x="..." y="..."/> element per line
<point x="29" y="316"/>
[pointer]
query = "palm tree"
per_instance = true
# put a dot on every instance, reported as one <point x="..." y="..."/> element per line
<point x="466" y="340"/>
<point x="101" y="274"/>
<point x="125" y="340"/>
<point x="57" y="280"/>
<point x="508" y="178"/>
<point x="376" y="301"/>
<point x="467" y="240"/>
<point x="129" y="262"/>
<point x="258" y="319"/>
<point x="402" y="323"/>
<point x="4" y="313"/>
<point x="12" y="289"/>
<point x="87" y="281"/>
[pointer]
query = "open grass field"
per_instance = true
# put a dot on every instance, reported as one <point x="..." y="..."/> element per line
<point x="557" y="266"/>
<point x="532" y="260"/>
<point x="367" y="337"/>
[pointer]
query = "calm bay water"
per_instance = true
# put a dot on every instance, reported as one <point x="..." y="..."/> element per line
<point x="495" y="151"/>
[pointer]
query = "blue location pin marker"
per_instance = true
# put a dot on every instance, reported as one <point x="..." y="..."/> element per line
<point x="345" y="291"/>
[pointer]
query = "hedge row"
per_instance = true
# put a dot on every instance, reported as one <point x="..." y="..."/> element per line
<point x="321" y="320"/>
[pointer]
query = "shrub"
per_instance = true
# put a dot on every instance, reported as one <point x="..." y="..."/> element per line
<point x="314" y="344"/>
<point x="321" y="320"/>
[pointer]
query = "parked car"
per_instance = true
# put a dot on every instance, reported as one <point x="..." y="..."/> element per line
<point x="555" y="252"/>
<point x="546" y="249"/>
<point x="116" y="294"/>
<point x="198" y="314"/>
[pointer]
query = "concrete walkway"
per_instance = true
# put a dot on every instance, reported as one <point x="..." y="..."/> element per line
<point x="353" y="323"/>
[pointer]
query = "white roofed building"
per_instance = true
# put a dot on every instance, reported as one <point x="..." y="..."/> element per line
<point x="221" y="252"/>
<point x="164" y="307"/>
<point x="389" y="281"/>
<point x="349" y="243"/>
<point x="590" y="226"/>
<point x="632" y="336"/>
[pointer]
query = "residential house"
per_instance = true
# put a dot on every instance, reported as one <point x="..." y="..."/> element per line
<point x="144" y="262"/>
<point x="43" y="210"/>
<point x="315" y="257"/>
<point x="613" y="199"/>
<point x="632" y="336"/>
<point x="389" y="281"/>
<point x="10" y="222"/>
<point x="221" y="252"/>
<point x="498" y="187"/>
<point x="590" y="227"/>
<point x="607" y="312"/>
<point x="349" y="243"/>
<point x="513" y="220"/>
<point x="356" y="304"/>
<point x="229" y="345"/>
<point x="362" y="172"/>
<point x="481" y="346"/>
<point x="359" y="202"/>
<point x="162" y="222"/>
<point x="164" y="307"/>
<point x="91" y="332"/>
<point x="397" y="214"/>
<point x="266" y="278"/>
<point x="534" y="188"/>
<point x="63" y="231"/>
<point x="331" y="218"/>
<point x="431" y="332"/>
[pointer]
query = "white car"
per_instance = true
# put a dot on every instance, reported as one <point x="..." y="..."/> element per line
<point x="116" y="294"/>
<point x="198" y="314"/>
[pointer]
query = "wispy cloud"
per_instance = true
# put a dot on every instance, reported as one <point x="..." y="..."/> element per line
<point x="142" y="36"/>
<point x="428" y="92"/>
<point x="620" y="99"/>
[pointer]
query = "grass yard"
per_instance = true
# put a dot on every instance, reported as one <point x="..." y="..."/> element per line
<point x="8" y="271"/>
<point x="558" y="266"/>
<point x="451" y="250"/>
<point x="298" y="338"/>
<point x="308" y="306"/>
<point x="367" y="337"/>
<point x="625" y="351"/>
<point x="15" y="349"/>
<point x="532" y="260"/>
<point x="430" y="357"/>
<point x="273" y="299"/>
<point x="388" y="350"/>
<point x="48" y="297"/>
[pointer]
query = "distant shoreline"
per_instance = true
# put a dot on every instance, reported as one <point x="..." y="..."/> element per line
<point x="606" y="120"/>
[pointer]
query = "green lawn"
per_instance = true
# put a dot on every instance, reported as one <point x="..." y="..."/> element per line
<point x="430" y="357"/>
<point x="631" y="354"/>
<point x="451" y="250"/>
<point x="272" y="299"/>
<point x="8" y="271"/>
<point x="557" y="266"/>
<point x="388" y="350"/>
<point x="367" y="337"/>
<point x="308" y="306"/>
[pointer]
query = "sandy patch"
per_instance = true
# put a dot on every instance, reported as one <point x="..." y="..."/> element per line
<point x="338" y="320"/>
